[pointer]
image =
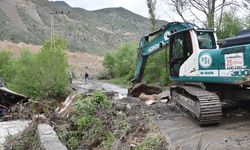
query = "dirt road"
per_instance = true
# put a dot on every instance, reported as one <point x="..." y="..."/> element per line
<point x="233" y="132"/>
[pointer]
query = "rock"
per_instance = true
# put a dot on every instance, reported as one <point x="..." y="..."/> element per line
<point x="41" y="118"/>
<point x="146" y="97"/>
<point x="121" y="113"/>
<point x="128" y="106"/>
<point x="116" y="145"/>
<point x="120" y="107"/>
<point x="150" y="102"/>
<point x="164" y="100"/>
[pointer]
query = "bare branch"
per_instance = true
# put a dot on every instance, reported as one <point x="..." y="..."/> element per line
<point x="198" y="7"/>
<point x="204" y="24"/>
<point x="221" y="12"/>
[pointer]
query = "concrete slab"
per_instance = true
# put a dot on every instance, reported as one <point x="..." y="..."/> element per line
<point x="48" y="138"/>
<point x="10" y="128"/>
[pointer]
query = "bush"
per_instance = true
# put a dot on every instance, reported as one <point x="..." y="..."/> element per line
<point x="42" y="75"/>
<point x="155" y="71"/>
<point x="5" y="65"/>
<point x="91" y="120"/>
<point x="231" y="25"/>
<point x="120" y="64"/>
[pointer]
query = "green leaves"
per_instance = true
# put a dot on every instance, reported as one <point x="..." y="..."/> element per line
<point x="39" y="76"/>
<point x="231" y="25"/>
<point x="121" y="62"/>
<point x="5" y="66"/>
<point x="90" y="121"/>
<point x="121" y="65"/>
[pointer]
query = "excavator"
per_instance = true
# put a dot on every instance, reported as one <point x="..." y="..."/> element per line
<point x="203" y="73"/>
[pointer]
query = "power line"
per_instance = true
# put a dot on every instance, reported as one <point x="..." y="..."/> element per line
<point x="52" y="24"/>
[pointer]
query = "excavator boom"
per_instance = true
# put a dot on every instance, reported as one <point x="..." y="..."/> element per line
<point x="160" y="40"/>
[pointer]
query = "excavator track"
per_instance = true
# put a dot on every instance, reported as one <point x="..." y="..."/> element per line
<point x="203" y="106"/>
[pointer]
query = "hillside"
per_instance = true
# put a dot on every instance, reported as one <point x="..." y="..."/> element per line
<point x="29" y="21"/>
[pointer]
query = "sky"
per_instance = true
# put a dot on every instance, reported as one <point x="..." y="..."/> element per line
<point x="136" y="6"/>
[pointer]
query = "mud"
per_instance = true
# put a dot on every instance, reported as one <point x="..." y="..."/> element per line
<point x="181" y="133"/>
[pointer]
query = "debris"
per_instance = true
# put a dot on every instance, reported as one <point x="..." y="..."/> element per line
<point x="9" y="98"/>
<point x="149" y="99"/>
<point x="146" y="97"/>
<point x="239" y="115"/>
<point x="128" y="106"/>
<point x="150" y="102"/>
<point x="139" y="88"/>
<point x="64" y="108"/>
<point x="41" y="118"/>
<point x="164" y="100"/>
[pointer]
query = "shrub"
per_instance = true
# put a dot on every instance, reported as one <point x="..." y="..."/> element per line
<point x="231" y="25"/>
<point x="91" y="119"/>
<point x="5" y="66"/>
<point x="120" y="64"/>
<point x="42" y="75"/>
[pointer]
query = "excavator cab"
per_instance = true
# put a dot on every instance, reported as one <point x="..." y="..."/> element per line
<point x="180" y="50"/>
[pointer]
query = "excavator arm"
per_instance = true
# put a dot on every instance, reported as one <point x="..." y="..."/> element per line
<point x="148" y="47"/>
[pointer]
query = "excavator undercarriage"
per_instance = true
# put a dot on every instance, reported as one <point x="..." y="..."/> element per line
<point x="203" y="106"/>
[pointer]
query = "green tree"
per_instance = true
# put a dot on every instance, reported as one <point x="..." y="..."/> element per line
<point x="42" y="75"/>
<point x="230" y="26"/>
<point x="121" y="63"/>
<point x="5" y="65"/>
<point x="151" y="9"/>
<point x="155" y="70"/>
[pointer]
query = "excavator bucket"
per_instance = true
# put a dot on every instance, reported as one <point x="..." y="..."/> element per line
<point x="139" y="88"/>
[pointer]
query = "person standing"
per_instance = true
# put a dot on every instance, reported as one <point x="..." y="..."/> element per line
<point x="86" y="76"/>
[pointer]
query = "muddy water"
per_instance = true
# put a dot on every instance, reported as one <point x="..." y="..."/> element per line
<point x="119" y="92"/>
<point x="89" y="86"/>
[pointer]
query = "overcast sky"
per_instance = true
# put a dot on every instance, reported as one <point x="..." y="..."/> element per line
<point x="136" y="6"/>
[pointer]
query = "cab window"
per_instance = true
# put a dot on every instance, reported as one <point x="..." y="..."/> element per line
<point x="206" y="40"/>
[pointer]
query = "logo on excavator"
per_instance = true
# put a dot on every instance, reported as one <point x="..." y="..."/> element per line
<point x="166" y="35"/>
<point x="205" y="60"/>
<point x="154" y="47"/>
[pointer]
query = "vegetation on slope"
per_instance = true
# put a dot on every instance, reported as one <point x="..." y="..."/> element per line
<point x="39" y="76"/>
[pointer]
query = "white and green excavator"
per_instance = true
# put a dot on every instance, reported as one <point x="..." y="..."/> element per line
<point x="204" y="73"/>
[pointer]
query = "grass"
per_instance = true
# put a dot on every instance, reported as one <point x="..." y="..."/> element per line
<point x="149" y="143"/>
<point x="27" y="141"/>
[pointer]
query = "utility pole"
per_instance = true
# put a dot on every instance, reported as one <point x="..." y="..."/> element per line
<point x="52" y="25"/>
